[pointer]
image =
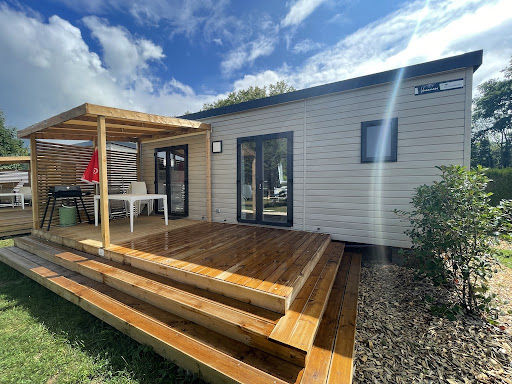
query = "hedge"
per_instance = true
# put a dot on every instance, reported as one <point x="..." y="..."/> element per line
<point x="501" y="184"/>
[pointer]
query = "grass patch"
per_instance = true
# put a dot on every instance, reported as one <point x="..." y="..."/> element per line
<point x="46" y="339"/>
<point x="6" y="243"/>
<point x="505" y="257"/>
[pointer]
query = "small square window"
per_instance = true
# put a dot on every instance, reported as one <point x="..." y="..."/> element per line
<point x="379" y="140"/>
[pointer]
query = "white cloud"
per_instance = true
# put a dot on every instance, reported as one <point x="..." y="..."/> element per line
<point x="247" y="53"/>
<point x="307" y="45"/>
<point x="47" y="68"/>
<point x="299" y="11"/>
<point x="414" y="34"/>
<point x="125" y="57"/>
<point x="259" y="43"/>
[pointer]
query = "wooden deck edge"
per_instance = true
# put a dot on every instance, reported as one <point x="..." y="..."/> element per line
<point x="24" y="231"/>
<point x="219" y="318"/>
<point x="261" y="299"/>
<point x="300" y="331"/>
<point x="306" y="272"/>
<point x="210" y="364"/>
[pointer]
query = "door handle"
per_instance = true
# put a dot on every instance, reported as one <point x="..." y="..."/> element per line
<point x="260" y="187"/>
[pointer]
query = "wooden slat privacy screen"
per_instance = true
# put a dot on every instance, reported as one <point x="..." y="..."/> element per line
<point x="60" y="164"/>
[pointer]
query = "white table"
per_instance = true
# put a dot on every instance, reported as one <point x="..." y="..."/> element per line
<point x="13" y="196"/>
<point x="131" y="199"/>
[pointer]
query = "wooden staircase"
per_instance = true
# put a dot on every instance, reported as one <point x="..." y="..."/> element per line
<point x="220" y="338"/>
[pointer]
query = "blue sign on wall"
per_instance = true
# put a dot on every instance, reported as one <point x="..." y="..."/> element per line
<point x="438" y="87"/>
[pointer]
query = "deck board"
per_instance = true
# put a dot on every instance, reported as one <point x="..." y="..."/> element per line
<point x="15" y="221"/>
<point x="260" y="265"/>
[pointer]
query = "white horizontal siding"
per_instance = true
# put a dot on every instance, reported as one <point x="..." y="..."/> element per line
<point x="333" y="190"/>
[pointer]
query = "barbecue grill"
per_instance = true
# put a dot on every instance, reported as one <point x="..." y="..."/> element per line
<point x="65" y="192"/>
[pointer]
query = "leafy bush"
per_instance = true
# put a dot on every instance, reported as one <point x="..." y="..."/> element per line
<point x="500" y="185"/>
<point x="453" y="230"/>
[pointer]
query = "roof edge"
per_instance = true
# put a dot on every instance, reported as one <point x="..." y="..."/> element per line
<point x="465" y="60"/>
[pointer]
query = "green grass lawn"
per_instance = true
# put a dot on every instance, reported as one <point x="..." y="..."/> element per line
<point x="505" y="257"/>
<point x="46" y="339"/>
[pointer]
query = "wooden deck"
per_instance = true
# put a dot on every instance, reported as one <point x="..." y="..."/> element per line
<point x="218" y="336"/>
<point x="15" y="221"/>
<point x="264" y="266"/>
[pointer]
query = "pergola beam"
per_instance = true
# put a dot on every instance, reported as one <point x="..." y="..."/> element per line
<point x="80" y="122"/>
<point x="8" y="160"/>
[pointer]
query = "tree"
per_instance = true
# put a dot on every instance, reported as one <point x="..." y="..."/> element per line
<point x="493" y="113"/>
<point x="10" y="145"/>
<point x="251" y="93"/>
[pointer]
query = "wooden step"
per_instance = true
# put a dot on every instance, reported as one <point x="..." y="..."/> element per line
<point x="331" y="357"/>
<point x="212" y="356"/>
<point x="300" y="324"/>
<point x="240" y="321"/>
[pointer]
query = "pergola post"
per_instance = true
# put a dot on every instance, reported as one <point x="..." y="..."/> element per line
<point x="34" y="182"/>
<point x="102" y="163"/>
<point x="139" y="160"/>
<point x="208" y="176"/>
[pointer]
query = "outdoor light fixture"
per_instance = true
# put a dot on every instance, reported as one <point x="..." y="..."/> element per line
<point x="217" y="146"/>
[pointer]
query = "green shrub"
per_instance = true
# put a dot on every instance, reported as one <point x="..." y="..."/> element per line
<point x="453" y="232"/>
<point x="500" y="185"/>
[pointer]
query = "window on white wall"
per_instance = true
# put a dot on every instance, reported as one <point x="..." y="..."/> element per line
<point x="379" y="140"/>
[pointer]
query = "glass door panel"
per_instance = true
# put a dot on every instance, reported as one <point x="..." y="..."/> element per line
<point x="275" y="180"/>
<point x="161" y="177"/>
<point x="248" y="180"/>
<point x="171" y="178"/>
<point x="265" y="181"/>
<point x="178" y="187"/>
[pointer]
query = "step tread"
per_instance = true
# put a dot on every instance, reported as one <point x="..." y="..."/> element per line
<point x="319" y="358"/>
<point x="342" y="365"/>
<point x="232" y="322"/>
<point x="300" y="324"/>
<point x="194" y="347"/>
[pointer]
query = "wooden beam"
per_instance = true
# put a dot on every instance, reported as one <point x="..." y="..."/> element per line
<point x="167" y="137"/>
<point x="65" y="116"/>
<point x="34" y="182"/>
<point x="145" y="117"/>
<point x="208" y="144"/>
<point x="102" y="163"/>
<point x="14" y="160"/>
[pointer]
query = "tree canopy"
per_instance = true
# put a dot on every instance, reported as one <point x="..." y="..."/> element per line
<point x="251" y="93"/>
<point x="492" y="120"/>
<point x="10" y="145"/>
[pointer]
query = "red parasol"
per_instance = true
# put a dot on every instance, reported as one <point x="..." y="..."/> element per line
<point x="91" y="174"/>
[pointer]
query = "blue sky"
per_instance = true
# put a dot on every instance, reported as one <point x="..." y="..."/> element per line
<point x="167" y="57"/>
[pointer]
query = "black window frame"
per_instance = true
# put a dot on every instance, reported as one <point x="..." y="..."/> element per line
<point x="393" y="123"/>
<point x="168" y="150"/>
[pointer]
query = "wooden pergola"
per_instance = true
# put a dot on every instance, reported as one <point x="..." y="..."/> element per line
<point x="8" y="160"/>
<point x="101" y="124"/>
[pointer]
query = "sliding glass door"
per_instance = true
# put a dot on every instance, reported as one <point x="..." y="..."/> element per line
<point x="171" y="178"/>
<point x="265" y="181"/>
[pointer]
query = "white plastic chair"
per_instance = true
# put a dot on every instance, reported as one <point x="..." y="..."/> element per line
<point x="27" y="194"/>
<point x="140" y="188"/>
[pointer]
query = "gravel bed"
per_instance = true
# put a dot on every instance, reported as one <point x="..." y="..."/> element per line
<point x="398" y="340"/>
